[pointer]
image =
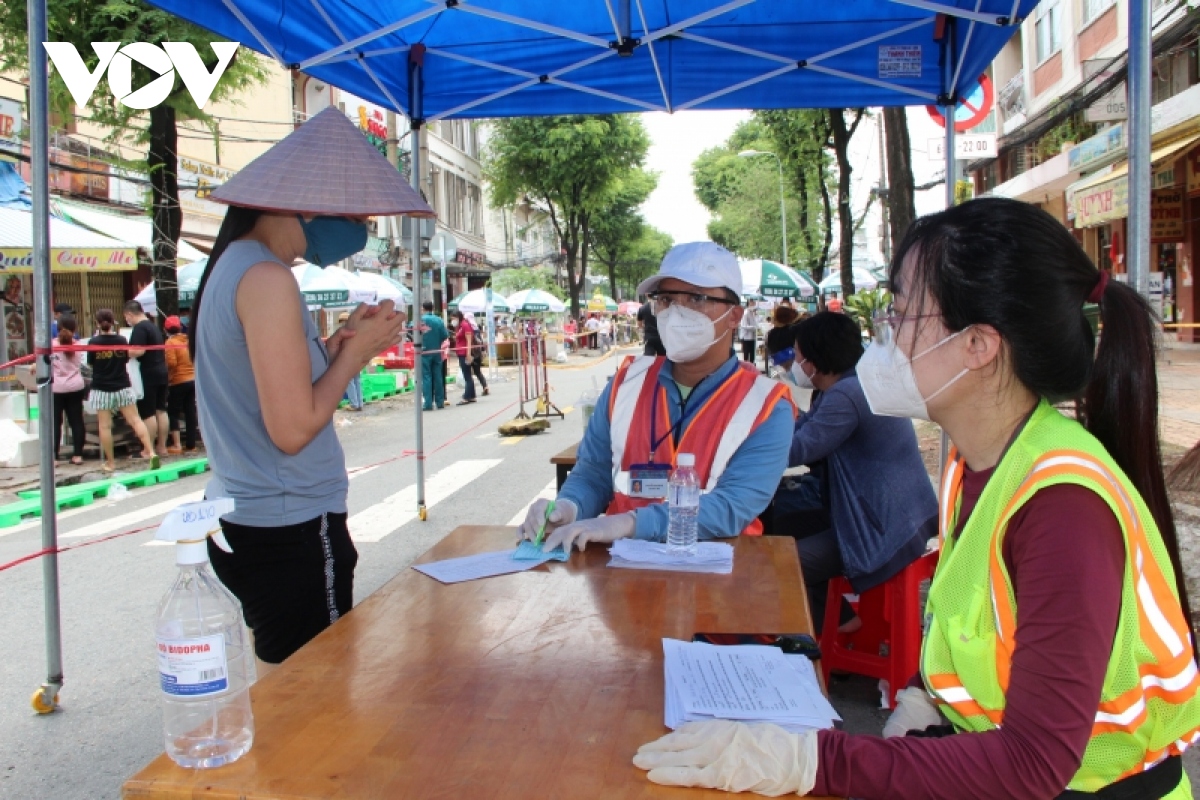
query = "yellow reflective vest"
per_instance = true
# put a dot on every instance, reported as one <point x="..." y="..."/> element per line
<point x="1149" y="708"/>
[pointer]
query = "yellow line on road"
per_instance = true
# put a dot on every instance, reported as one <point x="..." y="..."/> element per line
<point x="511" y="440"/>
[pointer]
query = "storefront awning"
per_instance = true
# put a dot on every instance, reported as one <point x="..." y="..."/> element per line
<point x="72" y="248"/>
<point x="139" y="230"/>
<point x="1103" y="198"/>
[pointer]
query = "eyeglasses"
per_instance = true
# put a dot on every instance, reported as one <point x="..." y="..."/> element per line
<point x="661" y="301"/>
<point x="887" y="322"/>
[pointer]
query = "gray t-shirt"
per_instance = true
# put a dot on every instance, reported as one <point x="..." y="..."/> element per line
<point x="270" y="488"/>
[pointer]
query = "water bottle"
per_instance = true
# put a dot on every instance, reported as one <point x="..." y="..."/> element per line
<point x="204" y="661"/>
<point x="683" y="497"/>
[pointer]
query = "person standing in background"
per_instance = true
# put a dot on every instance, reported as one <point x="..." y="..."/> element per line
<point x="748" y="331"/>
<point x="354" y="391"/>
<point x="569" y="331"/>
<point x="181" y="379"/>
<point x="652" y="344"/>
<point x="433" y="368"/>
<point x="111" y="391"/>
<point x="152" y="408"/>
<point x="69" y="390"/>
<point x="464" y="341"/>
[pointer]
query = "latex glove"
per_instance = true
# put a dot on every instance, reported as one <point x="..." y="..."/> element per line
<point x="599" y="529"/>
<point x="915" y="710"/>
<point x="565" y="512"/>
<point x="734" y="757"/>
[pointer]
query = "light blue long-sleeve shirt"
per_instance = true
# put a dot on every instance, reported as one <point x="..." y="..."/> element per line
<point x="742" y="492"/>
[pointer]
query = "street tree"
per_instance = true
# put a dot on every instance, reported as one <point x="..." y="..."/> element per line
<point x="516" y="279"/>
<point x="618" y="225"/>
<point x="642" y="259"/>
<point x="81" y="22"/>
<point x="901" y="201"/>
<point x="570" y="166"/>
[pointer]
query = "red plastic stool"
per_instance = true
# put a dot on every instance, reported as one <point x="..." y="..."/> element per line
<point x="888" y="645"/>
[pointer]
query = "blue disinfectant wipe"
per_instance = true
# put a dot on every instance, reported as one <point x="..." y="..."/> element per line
<point x="528" y="551"/>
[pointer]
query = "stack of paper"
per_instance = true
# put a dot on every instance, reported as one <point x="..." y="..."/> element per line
<point x="483" y="565"/>
<point x="639" y="554"/>
<point x="748" y="683"/>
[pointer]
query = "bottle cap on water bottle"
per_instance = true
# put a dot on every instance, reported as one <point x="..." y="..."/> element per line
<point x="686" y="460"/>
<point x="189" y="526"/>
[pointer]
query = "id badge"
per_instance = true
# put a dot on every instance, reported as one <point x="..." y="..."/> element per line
<point x="649" y="481"/>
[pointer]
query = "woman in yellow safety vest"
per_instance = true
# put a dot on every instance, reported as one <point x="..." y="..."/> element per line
<point x="1058" y="659"/>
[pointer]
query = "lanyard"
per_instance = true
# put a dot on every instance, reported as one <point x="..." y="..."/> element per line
<point x="675" y="432"/>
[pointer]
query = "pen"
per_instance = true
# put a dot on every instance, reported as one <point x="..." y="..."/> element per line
<point x="541" y="534"/>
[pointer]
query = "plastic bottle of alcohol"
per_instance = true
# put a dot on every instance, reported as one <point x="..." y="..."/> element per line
<point x="204" y="661"/>
<point x="683" y="495"/>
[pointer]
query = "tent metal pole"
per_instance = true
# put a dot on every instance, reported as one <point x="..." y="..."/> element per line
<point x="416" y="60"/>
<point x="40" y="169"/>
<point x="951" y="156"/>
<point x="1138" y="234"/>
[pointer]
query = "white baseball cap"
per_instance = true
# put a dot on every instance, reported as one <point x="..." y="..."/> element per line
<point x="703" y="264"/>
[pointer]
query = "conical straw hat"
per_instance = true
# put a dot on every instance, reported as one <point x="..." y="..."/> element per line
<point x="326" y="166"/>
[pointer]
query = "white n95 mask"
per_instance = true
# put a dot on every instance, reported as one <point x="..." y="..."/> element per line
<point x="889" y="383"/>
<point x="687" y="334"/>
<point x="800" y="377"/>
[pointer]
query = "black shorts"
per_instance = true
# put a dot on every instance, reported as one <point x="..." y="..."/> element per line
<point x="154" y="398"/>
<point x="293" y="581"/>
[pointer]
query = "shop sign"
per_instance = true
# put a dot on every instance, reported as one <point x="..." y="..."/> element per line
<point x="1103" y="145"/>
<point x="1102" y="203"/>
<point x="325" y="298"/>
<point x="62" y="259"/>
<point x="370" y="119"/>
<point x="10" y="125"/>
<point x="197" y="180"/>
<point x="1193" y="171"/>
<point x="470" y="258"/>
<point x="1166" y="216"/>
<point x="89" y="178"/>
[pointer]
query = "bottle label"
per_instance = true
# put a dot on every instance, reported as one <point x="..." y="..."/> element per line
<point x="193" y="667"/>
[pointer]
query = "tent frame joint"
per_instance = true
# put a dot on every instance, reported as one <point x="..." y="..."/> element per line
<point x="802" y="63"/>
<point x="625" y="46"/>
<point x="451" y="3"/>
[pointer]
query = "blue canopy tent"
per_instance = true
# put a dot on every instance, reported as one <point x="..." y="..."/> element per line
<point x="445" y="59"/>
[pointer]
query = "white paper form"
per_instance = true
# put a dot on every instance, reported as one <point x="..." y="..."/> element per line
<point x="483" y="565"/>
<point x="751" y="683"/>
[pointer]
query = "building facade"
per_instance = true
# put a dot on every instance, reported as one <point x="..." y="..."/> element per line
<point x="1061" y="104"/>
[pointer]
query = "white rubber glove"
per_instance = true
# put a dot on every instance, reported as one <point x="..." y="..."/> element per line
<point x="565" y="512"/>
<point x="915" y="710"/>
<point x="733" y="756"/>
<point x="600" y="529"/>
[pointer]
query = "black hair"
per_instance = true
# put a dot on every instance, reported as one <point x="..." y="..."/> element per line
<point x="66" y="329"/>
<point x="829" y="341"/>
<point x="134" y="307"/>
<point x="1010" y="265"/>
<point x="427" y="305"/>
<point x="238" y="222"/>
<point x="779" y="339"/>
<point x="106" y="320"/>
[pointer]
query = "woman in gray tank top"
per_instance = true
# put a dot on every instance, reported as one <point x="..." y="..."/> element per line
<point x="267" y="385"/>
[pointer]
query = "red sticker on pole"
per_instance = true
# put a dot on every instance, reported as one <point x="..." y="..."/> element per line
<point x="973" y="107"/>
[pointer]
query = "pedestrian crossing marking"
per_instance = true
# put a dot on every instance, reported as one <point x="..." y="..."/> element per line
<point x="509" y="441"/>
<point x="396" y="511"/>
<point x="549" y="492"/>
<point x="131" y="519"/>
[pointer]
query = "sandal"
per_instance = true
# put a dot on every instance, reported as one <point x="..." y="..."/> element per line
<point x="77" y="461"/>
<point x="109" y="468"/>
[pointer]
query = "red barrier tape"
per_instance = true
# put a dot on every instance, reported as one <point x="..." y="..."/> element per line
<point x="86" y="348"/>
<point x="403" y="454"/>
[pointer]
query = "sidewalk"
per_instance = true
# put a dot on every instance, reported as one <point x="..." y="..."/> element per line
<point x="1179" y="394"/>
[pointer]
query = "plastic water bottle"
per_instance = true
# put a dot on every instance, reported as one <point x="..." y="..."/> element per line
<point x="204" y="661"/>
<point x="683" y="495"/>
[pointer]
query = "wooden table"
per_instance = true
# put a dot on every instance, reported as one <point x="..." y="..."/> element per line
<point x="540" y="684"/>
<point x="565" y="462"/>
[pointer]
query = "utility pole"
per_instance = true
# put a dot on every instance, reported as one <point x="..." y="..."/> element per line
<point x="393" y="157"/>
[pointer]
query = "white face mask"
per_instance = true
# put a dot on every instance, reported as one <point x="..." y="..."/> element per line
<point x="801" y="378"/>
<point x="687" y="334"/>
<point x="890" y="384"/>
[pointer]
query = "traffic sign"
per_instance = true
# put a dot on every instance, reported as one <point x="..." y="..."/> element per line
<point x="967" y="147"/>
<point x="973" y="107"/>
<point x="442" y="247"/>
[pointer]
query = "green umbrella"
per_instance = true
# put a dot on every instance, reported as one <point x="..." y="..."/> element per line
<point x="189" y="281"/>
<point x="475" y="302"/>
<point x="769" y="279"/>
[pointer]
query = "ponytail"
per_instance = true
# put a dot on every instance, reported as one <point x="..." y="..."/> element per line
<point x="66" y="331"/>
<point x="238" y="222"/>
<point x="1120" y="408"/>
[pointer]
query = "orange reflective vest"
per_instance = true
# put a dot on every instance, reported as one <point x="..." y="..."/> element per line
<point x="718" y="428"/>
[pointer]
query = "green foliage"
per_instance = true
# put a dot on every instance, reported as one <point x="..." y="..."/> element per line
<point x="863" y="305"/>
<point x="618" y="227"/>
<point x="509" y="281"/>
<point x="1073" y="128"/>
<point x="642" y="259"/>
<point x="573" y="166"/>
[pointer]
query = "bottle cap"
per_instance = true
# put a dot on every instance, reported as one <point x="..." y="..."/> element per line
<point x="189" y="526"/>
<point x="686" y="459"/>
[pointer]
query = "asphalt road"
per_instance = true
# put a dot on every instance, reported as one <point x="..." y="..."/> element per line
<point x="109" y="725"/>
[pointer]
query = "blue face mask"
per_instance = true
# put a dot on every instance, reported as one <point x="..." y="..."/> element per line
<point x="330" y="239"/>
